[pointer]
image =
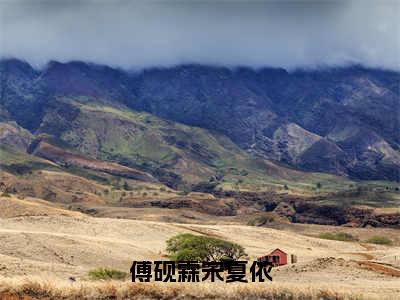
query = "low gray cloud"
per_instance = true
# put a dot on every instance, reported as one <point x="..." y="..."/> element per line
<point x="135" y="34"/>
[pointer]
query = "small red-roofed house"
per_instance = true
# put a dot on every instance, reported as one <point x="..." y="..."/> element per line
<point x="277" y="257"/>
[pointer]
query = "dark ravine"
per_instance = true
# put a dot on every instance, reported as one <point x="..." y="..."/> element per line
<point x="298" y="210"/>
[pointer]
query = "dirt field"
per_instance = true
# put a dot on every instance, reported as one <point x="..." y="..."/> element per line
<point x="39" y="239"/>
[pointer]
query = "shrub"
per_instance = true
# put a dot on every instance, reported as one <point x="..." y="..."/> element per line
<point x="380" y="240"/>
<point x="244" y="173"/>
<point x="106" y="274"/>
<point x="260" y="220"/>
<point x="127" y="187"/>
<point x="339" y="236"/>
<point x="5" y="194"/>
<point x="201" y="248"/>
<point x="204" y="187"/>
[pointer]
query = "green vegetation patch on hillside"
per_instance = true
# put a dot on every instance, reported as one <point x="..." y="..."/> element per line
<point x="20" y="163"/>
<point x="380" y="240"/>
<point x="338" y="236"/>
<point x="184" y="154"/>
<point x="106" y="274"/>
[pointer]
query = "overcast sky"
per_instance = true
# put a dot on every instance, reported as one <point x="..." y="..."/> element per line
<point x="135" y="34"/>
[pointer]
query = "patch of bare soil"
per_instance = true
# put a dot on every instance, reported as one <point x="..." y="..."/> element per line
<point x="11" y="207"/>
<point x="363" y="255"/>
<point x="380" y="268"/>
<point x="324" y="263"/>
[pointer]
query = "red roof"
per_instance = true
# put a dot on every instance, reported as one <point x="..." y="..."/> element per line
<point x="277" y="249"/>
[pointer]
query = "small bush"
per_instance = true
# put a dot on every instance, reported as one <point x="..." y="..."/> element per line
<point x="127" y="187"/>
<point x="5" y="194"/>
<point x="244" y="173"/>
<point x="106" y="274"/>
<point x="261" y="220"/>
<point x="380" y="240"/>
<point x="339" y="236"/>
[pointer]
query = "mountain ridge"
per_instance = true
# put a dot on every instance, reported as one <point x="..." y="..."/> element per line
<point x="342" y="121"/>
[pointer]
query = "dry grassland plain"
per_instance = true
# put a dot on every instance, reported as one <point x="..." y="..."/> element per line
<point x="43" y="246"/>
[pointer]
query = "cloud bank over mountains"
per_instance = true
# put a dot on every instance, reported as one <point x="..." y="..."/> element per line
<point x="136" y="34"/>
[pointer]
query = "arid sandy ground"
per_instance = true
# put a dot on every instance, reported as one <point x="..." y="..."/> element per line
<point x="39" y="239"/>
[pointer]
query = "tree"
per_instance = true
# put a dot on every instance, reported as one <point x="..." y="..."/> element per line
<point x="319" y="185"/>
<point x="201" y="248"/>
<point x="205" y="186"/>
<point x="127" y="187"/>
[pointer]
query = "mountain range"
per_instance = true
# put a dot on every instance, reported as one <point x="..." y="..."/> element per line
<point x="195" y="124"/>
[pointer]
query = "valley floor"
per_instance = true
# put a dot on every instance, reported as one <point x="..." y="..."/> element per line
<point x="54" y="245"/>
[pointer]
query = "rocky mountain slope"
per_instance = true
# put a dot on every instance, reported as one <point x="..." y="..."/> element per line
<point x="341" y="121"/>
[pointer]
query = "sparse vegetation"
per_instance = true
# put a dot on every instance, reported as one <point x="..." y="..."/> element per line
<point x="5" y="194"/>
<point x="106" y="274"/>
<point x="184" y="192"/>
<point x="380" y="240"/>
<point x="261" y="220"/>
<point x="338" y="236"/>
<point x="127" y="187"/>
<point x="204" y="187"/>
<point x="201" y="248"/>
<point x="244" y="173"/>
